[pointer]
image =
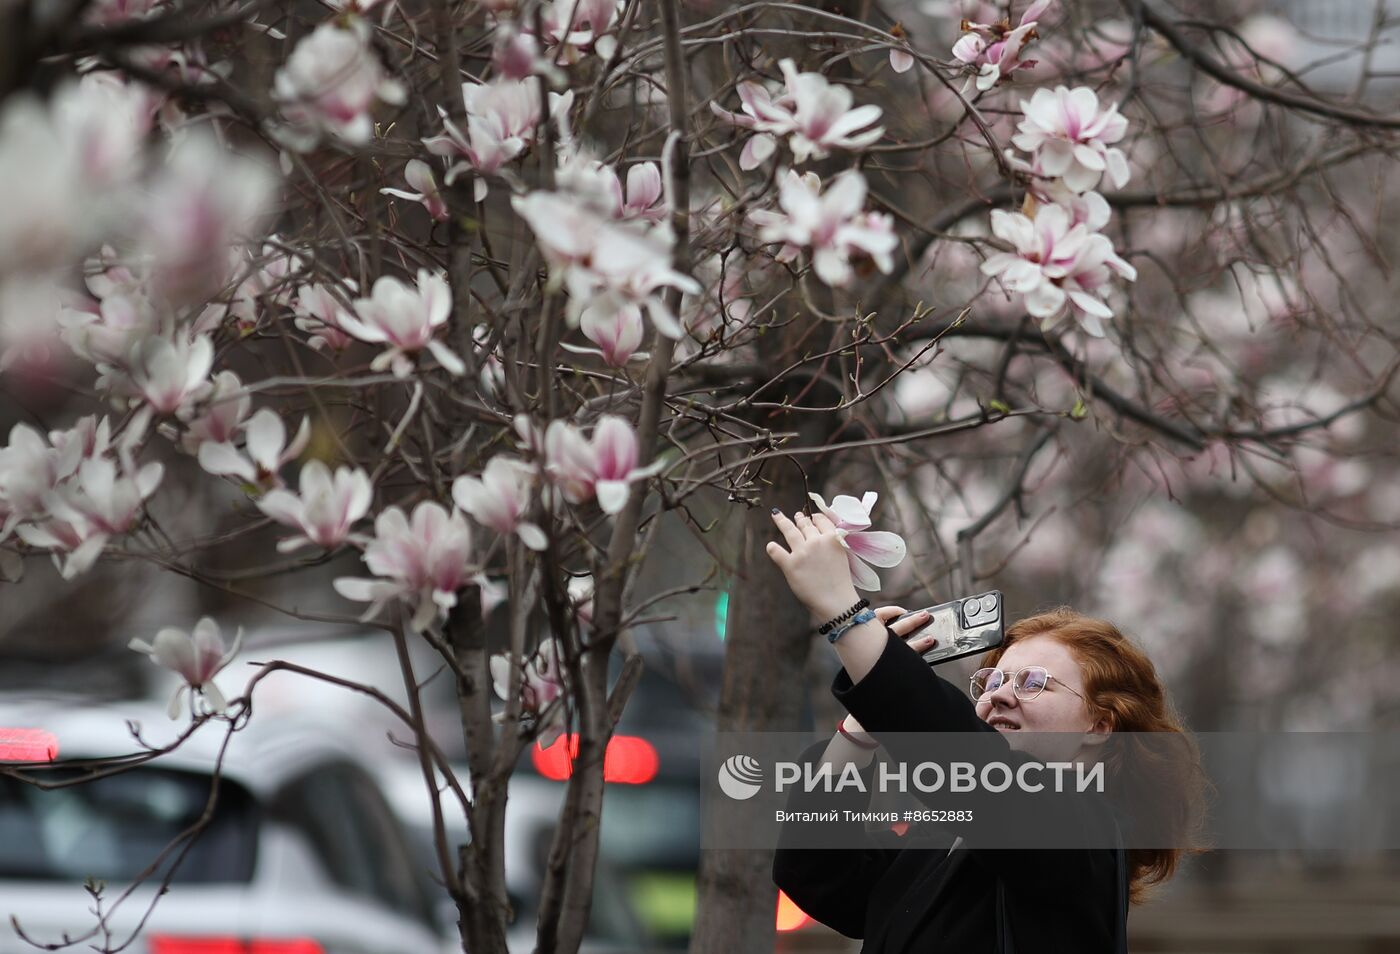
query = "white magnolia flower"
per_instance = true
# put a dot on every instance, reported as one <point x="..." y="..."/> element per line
<point x="325" y="509"/>
<point x="815" y="116"/>
<point x="423" y="561"/>
<point x="541" y="687"/>
<point x="500" y="498"/>
<point x="330" y="83"/>
<point x="995" y="49"/>
<point x="863" y="545"/>
<point x="171" y="373"/>
<point x="419" y="175"/>
<point x="196" y="657"/>
<point x="265" y="452"/>
<point x="320" y="313"/>
<point x="1071" y="138"/>
<point x="605" y="466"/>
<point x="405" y="319"/>
<point x="831" y="224"/>
<point x="223" y="410"/>
<point x="1058" y="267"/>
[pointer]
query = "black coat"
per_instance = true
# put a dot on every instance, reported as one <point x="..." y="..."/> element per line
<point x="911" y="893"/>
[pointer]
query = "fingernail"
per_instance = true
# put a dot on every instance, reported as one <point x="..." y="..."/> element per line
<point x="774" y="511"/>
<point x="923" y="614"/>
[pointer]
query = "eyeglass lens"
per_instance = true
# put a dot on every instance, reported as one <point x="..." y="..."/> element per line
<point x="1029" y="681"/>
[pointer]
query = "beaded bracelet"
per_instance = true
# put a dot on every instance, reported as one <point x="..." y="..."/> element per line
<point x="827" y="626"/>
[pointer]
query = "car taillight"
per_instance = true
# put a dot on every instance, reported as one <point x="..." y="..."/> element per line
<point x="27" y="745"/>
<point x="790" y="916"/>
<point x="172" y="944"/>
<point x="629" y="759"/>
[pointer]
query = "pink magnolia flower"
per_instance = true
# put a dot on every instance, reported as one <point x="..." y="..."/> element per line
<point x="813" y="114"/>
<point x="196" y="657"/>
<point x="500" y="497"/>
<point x="1070" y="138"/>
<point x="995" y="49"/>
<point x="106" y="497"/>
<point x="419" y="175"/>
<point x="405" y="319"/>
<point x="203" y="203"/>
<point x="266" y="450"/>
<point x="516" y="55"/>
<point x="831" y="224"/>
<point x="575" y="27"/>
<point x="330" y="83"/>
<point x="320" y="313"/>
<point x="541" y="685"/>
<point x="326" y="508"/>
<point x="616" y="331"/>
<point x="1058" y="267"/>
<point x="105" y="120"/>
<point x="604" y="467"/>
<point x="863" y="545"/>
<point x="170" y="373"/>
<point x="30" y="468"/>
<point x="502" y="117"/>
<point x="225" y="407"/>
<point x="423" y="561"/>
<point x="603" y="263"/>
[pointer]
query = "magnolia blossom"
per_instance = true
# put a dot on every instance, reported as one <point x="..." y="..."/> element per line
<point x="30" y="468"/>
<point x="995" y="49"/>
<point x="541" y="685"/>
<point x="423" y="561"/>
<point x="1070" y="137"/>
<point x="320" y="313"/>
<point x="405" y="320"/>
<point x="266" y="450"/>
<point x="831" y="224"/>
<point x="419" y="175"/>
<point x="225" y="407"/>
<point x="196" y="657"/>
<point x="203" y="203"/>
<point x="863" y="546"/>
<point x="815" y="116"/>
<point x="326" y="508"/>
<point x="170" y="373"/>
<point x="604" y="263"/>
<point x="605" y="466"/>
<point x="501" y="120"/>
<point x="1060" y="268"/>
<point x="598" y="185"/>
<point x="575" y="27"/>
<point x="499" y="499"/>
<point x="616" y="331"/>
<point x="330" y="83"/>
<point x="84" y="512"/>
<point x="581" y="597"/>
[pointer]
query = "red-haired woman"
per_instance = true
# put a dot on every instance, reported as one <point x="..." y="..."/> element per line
<point x="1056" y="689"/>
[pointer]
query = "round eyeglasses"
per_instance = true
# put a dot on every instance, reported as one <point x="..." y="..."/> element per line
<point x="1026" y="683"/>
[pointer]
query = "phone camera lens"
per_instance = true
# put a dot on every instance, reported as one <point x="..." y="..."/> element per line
<point x="989" y="603"/>
<point x="972" y="607"/>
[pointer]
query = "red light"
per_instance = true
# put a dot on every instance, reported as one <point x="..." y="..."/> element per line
<point x="899" y="828"/>
<point x="629" y="760"/>
<point x="167" y="944"/>
<point x="164" y="944"/>
<point x="790" y="916"/>
<point x="28" y="745"/>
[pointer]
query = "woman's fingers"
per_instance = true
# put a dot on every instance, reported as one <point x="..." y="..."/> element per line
<point x="883" y="613"/>
<point x="903" y="627"/>
<point x="775" y="552"/>
<point x="788" y="529"/>
<point x="805" y="524"/>
<point x="823" y="523"/>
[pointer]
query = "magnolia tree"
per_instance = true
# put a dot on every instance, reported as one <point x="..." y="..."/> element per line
<point x="465" y="298"/>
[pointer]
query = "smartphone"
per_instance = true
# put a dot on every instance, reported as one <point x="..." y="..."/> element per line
<point x="964" y="627"/>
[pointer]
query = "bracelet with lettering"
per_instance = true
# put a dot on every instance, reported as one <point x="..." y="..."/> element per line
<point x="829" y="624"/>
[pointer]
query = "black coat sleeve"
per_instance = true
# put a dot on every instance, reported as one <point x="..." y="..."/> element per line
<point x="832" y="885"/>
<point x="902" y="695"/>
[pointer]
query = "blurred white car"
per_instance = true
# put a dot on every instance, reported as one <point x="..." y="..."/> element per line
<point x="302" y="854"/>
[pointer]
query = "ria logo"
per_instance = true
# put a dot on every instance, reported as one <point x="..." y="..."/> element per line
<point x="740" y="777"/>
